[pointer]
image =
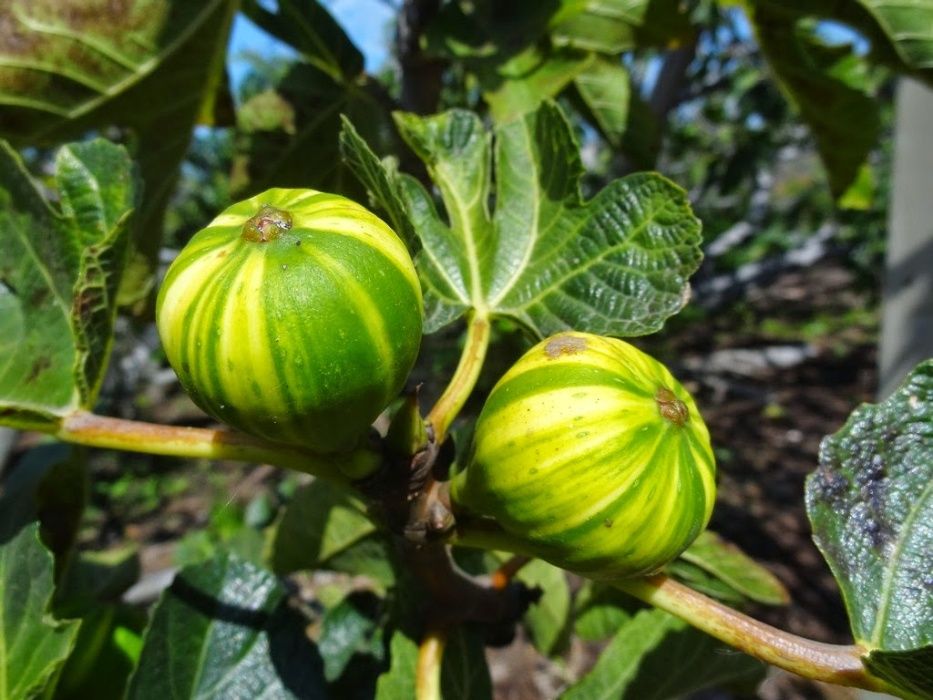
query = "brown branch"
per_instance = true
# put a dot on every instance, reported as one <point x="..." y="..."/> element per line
<point x="456" y="597"/>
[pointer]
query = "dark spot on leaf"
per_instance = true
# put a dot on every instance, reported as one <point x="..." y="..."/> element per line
<point x="41" y="364"/>
<point x="38" y="297"/>
<point x="607" y="522"/>
<point x="564" y="345"/>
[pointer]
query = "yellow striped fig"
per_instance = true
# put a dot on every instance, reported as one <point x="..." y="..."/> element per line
<point x="595" y="455"/>
<point x="294" y="316"/>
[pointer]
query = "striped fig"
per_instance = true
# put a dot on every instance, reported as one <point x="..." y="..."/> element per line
<point x="295" y="316"/>
<point x="590" y="451"/>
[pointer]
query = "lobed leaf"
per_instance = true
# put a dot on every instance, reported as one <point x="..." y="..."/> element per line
<point x="59" y="278"/>
<point x="871" y="506"/>
<point x="616" y="265"/>
<point x="225" y="629"/>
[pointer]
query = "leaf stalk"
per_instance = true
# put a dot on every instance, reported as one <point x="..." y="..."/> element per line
<point x="831" y="663"/>
<point x="442" y="415"/>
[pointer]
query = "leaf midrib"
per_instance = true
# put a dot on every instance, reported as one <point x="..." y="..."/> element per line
<point x="536" y="233"/>
<point x="463" y="210"/>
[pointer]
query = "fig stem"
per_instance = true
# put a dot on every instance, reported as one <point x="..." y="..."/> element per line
<point x="84" y="428"/>
<point x="832" y="663"/>
<point x="442" y="415"/>
<point x="428" y="669"/>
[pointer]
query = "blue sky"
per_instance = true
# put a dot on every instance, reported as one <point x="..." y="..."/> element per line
<point x="366" y="21"/>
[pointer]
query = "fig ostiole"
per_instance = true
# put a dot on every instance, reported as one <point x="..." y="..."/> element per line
<point x="294" y="316"/>
<point x="592" y="453"/>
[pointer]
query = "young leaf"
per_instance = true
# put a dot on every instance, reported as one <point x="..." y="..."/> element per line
<point x="225" y="629"/>
<point x="655" y="656"/>
<point x="616" y="265"/>
<point x="830" y="87"/>
<point x="33" y="646"/>
<point x="58" y="279"/>
<point x="379" y="178"/>
<point x="154" y="67"/>
<point x="871" y="505"/>
<point x="731" y="565"/>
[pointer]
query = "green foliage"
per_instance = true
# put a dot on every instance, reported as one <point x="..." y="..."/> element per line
<point x="617" y="264"/>
<point x="730" y="565"/>
<point x="830" y="85"/>
<point x="870" y="504"/>
<point x="325" y="527"/>
<point x="58" y="279"/>
<point x="548" y="620"/>
<point x="154" y="66"/>
<point x="225" y="628"/>
<point x="637" y="662"/>
<point x="33" y="646"/>
<point x="287" y="135"/>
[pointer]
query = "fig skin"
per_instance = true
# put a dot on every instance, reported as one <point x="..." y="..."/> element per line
<point x="295" y="316"/>
<point x="591" y="452"/>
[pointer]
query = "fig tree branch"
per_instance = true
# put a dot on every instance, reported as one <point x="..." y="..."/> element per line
<point x="831" y="663"/>
<point x="83" y="428"/>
